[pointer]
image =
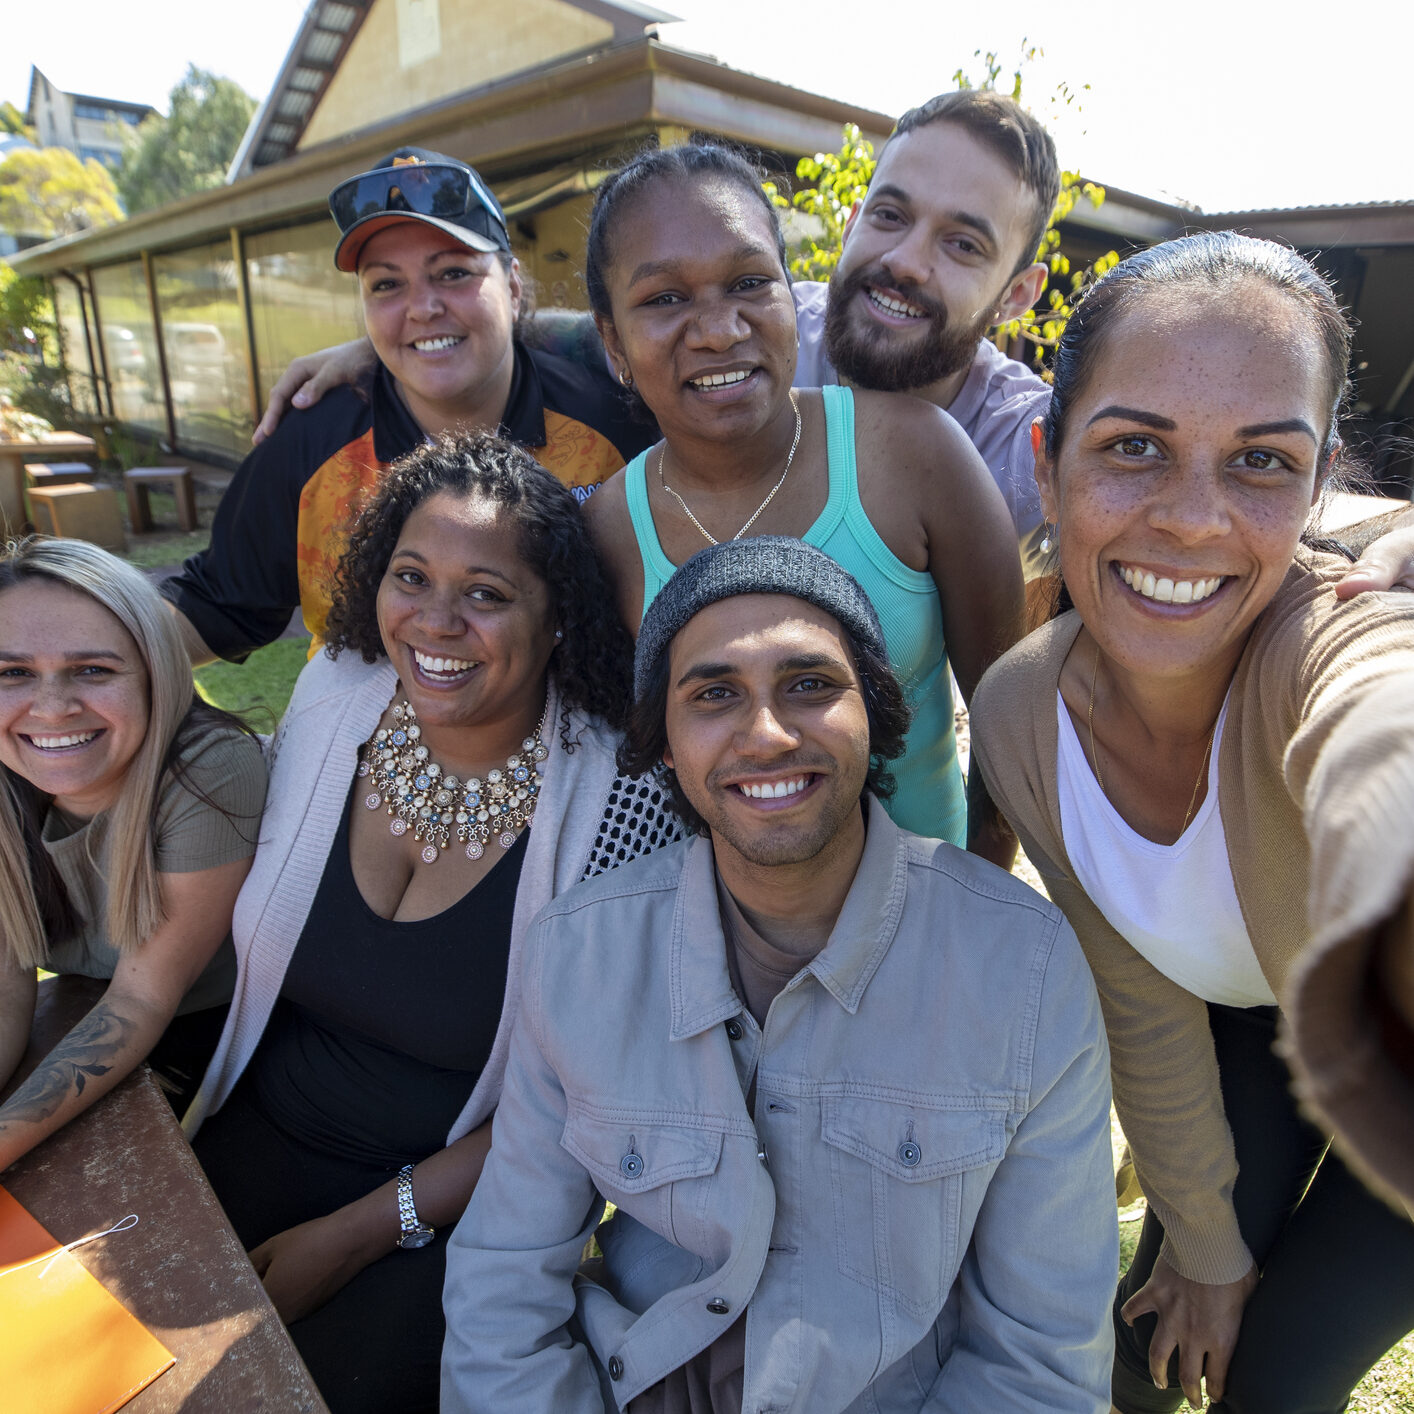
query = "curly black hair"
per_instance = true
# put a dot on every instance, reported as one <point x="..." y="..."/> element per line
<point x="888" y="712"/>
<point x="593" y="664"/>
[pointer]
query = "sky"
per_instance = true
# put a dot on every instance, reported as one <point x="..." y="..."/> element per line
<point x="1234" y="105"/>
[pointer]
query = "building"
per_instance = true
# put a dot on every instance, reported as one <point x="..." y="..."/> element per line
<point x="87" y="126"/>
<point x="178" y="320"/>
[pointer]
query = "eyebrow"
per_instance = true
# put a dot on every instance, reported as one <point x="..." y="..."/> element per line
<point x="458" y="252"/>
<point x="984" y="228"/>
<point x="472" y="570"/>
<point x="649" y="269"/>
<point x="83" y="656"/>
<point x="1268" y="429"/>
<point x="796" y="663"/>
<point x="1165" y="424"/>
<point x="1146" y="419"/>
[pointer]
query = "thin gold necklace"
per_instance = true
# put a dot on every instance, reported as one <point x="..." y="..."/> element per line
<point x="771" y="495"/>
<point x="1095" y="755"/>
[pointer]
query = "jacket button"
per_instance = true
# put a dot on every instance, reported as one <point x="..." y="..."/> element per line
<point x="735" y="1030"/>
<point x="616" y="1368"/>
<point x="718" y="1307"/>
<point x="631" y="1166"/>
<point x="909" y="1154"/>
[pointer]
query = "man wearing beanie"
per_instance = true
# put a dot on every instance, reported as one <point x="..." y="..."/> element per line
<point x="847" y="1088"/>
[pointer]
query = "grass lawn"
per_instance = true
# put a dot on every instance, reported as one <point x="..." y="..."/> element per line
<point x="264" y="681"/>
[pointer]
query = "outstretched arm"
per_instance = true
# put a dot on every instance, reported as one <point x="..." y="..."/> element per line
<point x="116" y="1035"/>
<point x="308" y="378"/>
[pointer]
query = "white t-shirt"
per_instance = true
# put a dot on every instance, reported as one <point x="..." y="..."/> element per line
<point x="995" y="406"/>
<point x="1173" y="904"/>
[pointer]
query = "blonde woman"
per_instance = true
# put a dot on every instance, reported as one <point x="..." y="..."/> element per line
<point x="128" y="818"/>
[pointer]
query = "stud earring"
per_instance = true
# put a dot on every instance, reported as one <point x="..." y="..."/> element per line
<point x="626" y="378"/>
<point x="559" y="634"/>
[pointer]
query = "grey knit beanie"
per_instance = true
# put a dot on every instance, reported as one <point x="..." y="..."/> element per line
<point x="763" y="564"/>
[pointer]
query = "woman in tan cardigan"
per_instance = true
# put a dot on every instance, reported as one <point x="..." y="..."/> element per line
<point x="1207" y="741"/>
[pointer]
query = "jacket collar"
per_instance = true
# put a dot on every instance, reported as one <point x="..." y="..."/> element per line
<point x="701" y="988"/>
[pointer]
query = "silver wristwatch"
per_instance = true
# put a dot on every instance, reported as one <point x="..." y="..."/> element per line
<point x="415" y="1232"/>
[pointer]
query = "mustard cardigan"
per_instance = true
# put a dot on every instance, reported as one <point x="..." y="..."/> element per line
<point x="1316" y="790"/>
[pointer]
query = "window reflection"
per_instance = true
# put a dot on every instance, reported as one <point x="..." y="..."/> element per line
<point x="203" y="338"/>
<point x="68" y="311"/>
<point x="130" y="345"/>
<point x="298" y="301"/>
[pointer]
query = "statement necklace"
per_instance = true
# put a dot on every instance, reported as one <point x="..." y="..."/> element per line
<point x="422" y="797"/>
<point x="771" y="495"/>
<point x="1095" y="755"/>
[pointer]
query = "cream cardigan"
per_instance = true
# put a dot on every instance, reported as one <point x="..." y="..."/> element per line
<point x="334" y="709"/>
<point x="1316" y="789"/>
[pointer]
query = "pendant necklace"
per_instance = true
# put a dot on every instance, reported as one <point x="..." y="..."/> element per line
<point x="770" y="496"/>
<point x="422" y="797"/>
<point x="1095" y="755"/>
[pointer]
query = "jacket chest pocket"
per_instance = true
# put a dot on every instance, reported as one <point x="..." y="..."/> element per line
<point x="898" y="1174"/>
<point x="657" y="1171"/>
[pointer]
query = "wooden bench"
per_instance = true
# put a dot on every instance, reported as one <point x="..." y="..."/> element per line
<point x="141" y="478"/>
<point x="57" y="473"/>
<point x="16" y="454"/>
<point x="81" y="512"/>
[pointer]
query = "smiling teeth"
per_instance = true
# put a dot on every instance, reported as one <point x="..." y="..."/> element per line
<point x="1168" y="591"/>
<point x="896" y="306"/>
<point x="443" y="341"/>
<point x="768" y="791"/>
<point x="720" y="380"/>
<point x="440" y="665"/>
<point x="53" y="743"/>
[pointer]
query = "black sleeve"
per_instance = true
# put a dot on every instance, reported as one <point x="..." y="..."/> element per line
<point x="240" y="592"/>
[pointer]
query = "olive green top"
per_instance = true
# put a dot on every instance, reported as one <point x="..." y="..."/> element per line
<point x="191" y="835"/>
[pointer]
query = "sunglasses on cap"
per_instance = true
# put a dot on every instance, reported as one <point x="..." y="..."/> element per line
<point x="439" y="190"/>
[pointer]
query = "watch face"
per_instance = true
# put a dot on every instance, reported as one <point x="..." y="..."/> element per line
<point x="418" y="1237"/>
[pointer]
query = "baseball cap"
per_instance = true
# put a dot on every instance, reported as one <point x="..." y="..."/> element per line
<point x="413" y="184"/>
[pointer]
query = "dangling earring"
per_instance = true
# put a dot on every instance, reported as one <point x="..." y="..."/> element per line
<point x="626" y="379"/>
<point x="1047" y="542"/>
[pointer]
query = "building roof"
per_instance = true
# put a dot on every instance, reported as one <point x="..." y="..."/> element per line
<point x="325" y="34"/>
<point x="534" y="126"/>
<point x="122" y="104"/>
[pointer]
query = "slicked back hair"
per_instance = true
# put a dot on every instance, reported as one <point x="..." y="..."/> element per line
<point x="1007" y="129"/>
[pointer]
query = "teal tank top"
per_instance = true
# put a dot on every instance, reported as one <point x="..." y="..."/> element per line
<point x="930" y="799"/>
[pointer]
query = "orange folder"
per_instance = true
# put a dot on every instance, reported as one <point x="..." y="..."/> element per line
<point x="66" y="1345"/>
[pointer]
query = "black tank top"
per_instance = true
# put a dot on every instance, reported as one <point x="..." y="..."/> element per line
<point x="382" y="1028"/>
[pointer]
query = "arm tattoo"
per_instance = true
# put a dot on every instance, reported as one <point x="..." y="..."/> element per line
<point x="86" y="1053"/>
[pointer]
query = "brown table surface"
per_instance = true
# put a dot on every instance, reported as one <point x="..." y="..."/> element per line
<point x="13" y="456"/>
<point x="181" y="1270"/>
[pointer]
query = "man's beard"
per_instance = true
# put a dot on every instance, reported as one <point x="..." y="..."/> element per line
<point x="888" y="361"/>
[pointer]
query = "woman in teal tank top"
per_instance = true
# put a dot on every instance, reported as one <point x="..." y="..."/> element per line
<point x="687" y="279"/>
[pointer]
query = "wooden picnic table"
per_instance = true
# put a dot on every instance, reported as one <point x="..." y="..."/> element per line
<point x="51" y="447"/>
<point x="181" y="1271"/>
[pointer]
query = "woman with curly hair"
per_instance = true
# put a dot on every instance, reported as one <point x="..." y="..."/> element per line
<point x="444" y="770"/>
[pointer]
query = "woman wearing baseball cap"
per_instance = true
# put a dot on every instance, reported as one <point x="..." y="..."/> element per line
<point x="441" y="294"/>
